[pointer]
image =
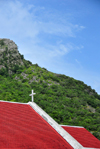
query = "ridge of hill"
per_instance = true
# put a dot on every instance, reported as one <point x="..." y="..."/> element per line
<point x="68" y="101"/>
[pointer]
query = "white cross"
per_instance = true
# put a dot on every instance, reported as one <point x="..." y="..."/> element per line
<point x="32" y="95"/>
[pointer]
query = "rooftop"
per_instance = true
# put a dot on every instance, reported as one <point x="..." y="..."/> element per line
<point x="21" y="127"/>
<point x="26" y="125"/>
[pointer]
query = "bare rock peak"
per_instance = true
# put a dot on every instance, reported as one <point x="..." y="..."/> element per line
<point x="9" y="43"/>
<point x="10" y="58"/>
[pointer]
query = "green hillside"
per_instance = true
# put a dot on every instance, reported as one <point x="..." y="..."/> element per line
<point x="68" y="101"/>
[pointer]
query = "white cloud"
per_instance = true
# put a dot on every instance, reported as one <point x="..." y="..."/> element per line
<point x="79" y="63"/>
<point x="24" y="21"/>
<point x="17" y="21"/>
<point x="29" y="24"/>
<point x="59" y="49"/>
<point x="63" y="49"/>
<point x="57" y="29"/>
<point x="78" y="27"/>
<point x="82" y="27"/>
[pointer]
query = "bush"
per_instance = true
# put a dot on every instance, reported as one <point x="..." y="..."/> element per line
<point x="1" y="42"/>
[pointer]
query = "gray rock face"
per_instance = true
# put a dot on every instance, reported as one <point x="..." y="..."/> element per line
<point x="34" y="79"/>
<point x="24" y="75"/>
<point x="1" y="66"/>
<point x="10" y="44"/>
<point x="9" y="55"/>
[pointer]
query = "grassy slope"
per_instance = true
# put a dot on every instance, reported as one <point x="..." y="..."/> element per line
<point x="67" y="100"/>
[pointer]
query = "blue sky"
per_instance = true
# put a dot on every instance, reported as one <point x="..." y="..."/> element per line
<point x="62" y="36"/>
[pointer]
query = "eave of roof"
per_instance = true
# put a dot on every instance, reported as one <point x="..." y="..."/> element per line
<point x="84" y="137"/>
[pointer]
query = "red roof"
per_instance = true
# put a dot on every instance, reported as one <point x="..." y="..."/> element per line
<point x="84" y="137"/>
<point x="22" y="128"/>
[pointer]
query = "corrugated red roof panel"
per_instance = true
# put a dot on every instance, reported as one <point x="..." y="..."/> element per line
<point x="84" y="137"/>
<point x="22" y="128"/>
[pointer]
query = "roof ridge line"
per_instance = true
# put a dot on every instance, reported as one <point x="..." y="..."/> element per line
<point x="73" y="126"/>
<point x="13" y="102"/>
<point x="90" y="148"/>
<point x="65" y="135"/>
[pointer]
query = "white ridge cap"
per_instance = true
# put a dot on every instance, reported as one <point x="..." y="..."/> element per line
<point x="72" y="126"/>
<point x="13" y="102"/>
<point x="89" y="148"/>
<point x="73" y="142"/>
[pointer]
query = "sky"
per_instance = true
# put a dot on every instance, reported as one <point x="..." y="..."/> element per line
<point x="62" y="36"/>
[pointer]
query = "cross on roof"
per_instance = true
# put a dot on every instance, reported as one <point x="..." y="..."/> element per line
<point x="32" y="95"/>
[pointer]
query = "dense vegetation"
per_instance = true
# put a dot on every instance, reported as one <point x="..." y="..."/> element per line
<point x="68" y="101"/>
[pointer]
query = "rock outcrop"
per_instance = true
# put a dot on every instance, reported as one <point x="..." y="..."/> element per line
<point x="10" y="58"/>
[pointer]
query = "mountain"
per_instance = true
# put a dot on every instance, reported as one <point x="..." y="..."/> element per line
<point x="68" y="101"/>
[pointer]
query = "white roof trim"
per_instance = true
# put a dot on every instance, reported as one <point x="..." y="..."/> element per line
<point x="72" y="126"/>
<point x="13" y="102"/>
<point x="89" y="148"/>
<point x="74" y="143"/>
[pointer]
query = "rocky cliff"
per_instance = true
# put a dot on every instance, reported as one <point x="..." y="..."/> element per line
<point x="10" y="58"/>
